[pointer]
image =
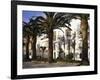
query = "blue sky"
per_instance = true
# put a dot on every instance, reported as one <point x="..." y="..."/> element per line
<point x="28" y="14"/>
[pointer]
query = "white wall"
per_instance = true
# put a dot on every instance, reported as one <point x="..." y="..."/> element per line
<point x="5" y="30"/>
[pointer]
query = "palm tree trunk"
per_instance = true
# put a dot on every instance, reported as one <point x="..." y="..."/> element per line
<point x="34" y="46"/>
<point x="68" y="46"/>
<point x="74" y="50"/>
<point x="50" y="35"/>
<point x="27" y="48"/>
<point x="84" y="30"/>
<point x="74" y="44"/>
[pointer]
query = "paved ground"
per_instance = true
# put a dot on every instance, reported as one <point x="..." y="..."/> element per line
<point x="41" y="64"/>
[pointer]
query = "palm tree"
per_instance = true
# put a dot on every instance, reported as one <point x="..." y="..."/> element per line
<point x="35" y="30"/>
<point x="26" y="35"/>
<point x="31" y="29"/>
<point x="84" y="30"/>
<point x="50" y="21"/>
<point x="84" y="34"/>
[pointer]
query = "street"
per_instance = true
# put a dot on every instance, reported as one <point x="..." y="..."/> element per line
<point x="41" y="64"/>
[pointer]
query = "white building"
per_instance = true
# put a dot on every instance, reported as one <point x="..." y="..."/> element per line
<point x="62" y="39"/>
<point x="42" y="46"/>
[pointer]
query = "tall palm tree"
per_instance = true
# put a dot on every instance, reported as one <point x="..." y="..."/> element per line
<point x="26" y="34"/>
<point x="31" y="29"/>
<point x="84" y="30"/>
<point x="50" y="21"/>
<point x="35" y="30"/>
